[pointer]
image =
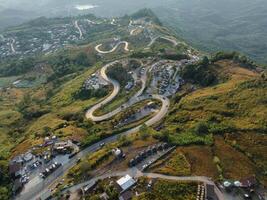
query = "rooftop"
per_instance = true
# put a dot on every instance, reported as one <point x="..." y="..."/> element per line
<point x="126" y="182"/>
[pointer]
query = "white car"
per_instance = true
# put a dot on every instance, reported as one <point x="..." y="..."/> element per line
<point x="144" y="166"/>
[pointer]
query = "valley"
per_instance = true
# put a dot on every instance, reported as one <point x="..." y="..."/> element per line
<point x="125" y="99"/>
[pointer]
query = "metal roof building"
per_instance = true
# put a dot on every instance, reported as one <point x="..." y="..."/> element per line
<point x="126" y="182"/>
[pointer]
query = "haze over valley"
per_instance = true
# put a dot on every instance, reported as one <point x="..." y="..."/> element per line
<point x="207" y="24"/>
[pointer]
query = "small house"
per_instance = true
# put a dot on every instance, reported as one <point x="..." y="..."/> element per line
<point x="126" y="182"/>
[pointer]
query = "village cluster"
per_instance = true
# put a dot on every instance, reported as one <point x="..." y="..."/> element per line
<point x="41" y="160"/>
<point x="45" y="39"/>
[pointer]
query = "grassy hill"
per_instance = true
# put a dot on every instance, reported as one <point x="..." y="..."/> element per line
<point x="229" y="118"/>
<point x="220" y="113"/>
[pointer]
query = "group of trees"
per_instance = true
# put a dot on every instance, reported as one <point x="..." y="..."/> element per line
<point x="84" y="93"/>
<point x="17" y="67"/>
<point x="66" y="63"/>
<point x="120" y="74"/>
<point x="4" y="180"/>
<point x="31" y="108"/>
<point x="235" y="56"/>
<point x="174" y="56"/>
<point x="199" y="73"/>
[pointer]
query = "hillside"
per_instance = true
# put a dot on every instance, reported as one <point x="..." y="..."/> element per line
<point x="133" y="78"/>
<point x="208" y="25"/>
<point x="220" y="25"/>
<point x="229" y="117"/>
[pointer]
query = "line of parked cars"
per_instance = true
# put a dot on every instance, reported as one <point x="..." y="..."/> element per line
<point x="148" y="152"/>
<point x="49" y="170"/>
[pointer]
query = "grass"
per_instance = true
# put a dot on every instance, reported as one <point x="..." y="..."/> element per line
<point x="9" y="117"/>
<point x="6" y="81"/>
<point x="201" y="160"/>
<point x="48" y="120"/>
<point x="64" y="96"/>
<point x="71" y="132"/>
<point x="235" y="108"/>
<point x="5" y="143"/>
<point x="171" y="190"/>
<point x="175" y="165"/>
<point x="190" y="160"/>
<point x="253" y="145"/>
<point x="120" y="99"/>
<point x="235" y="165"/>
<point x="229" y="102"/>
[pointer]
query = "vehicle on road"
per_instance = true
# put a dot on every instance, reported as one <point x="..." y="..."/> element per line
<point x="102" y="145"/>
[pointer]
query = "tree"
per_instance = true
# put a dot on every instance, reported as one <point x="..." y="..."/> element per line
<point x="124" y="141"/>
<point x="144" y="132"/>
<point x="82" y="59"/>
<point x="201" y="128"/>
<point x="4" y="194"/>
<point x="205" y="61"/>
<point x="47" y="130"/>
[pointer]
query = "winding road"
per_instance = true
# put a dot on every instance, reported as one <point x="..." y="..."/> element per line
<point x="174" y="42"/>
<point x="12" y="45"/>
<point x="126" y="47"/>
<point x="135" y="99"/>
<point x="41" y="189"/>
<point x="79" y="29"/>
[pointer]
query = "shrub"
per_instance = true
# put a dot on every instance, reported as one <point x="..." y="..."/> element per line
<point x="201" y="128"/>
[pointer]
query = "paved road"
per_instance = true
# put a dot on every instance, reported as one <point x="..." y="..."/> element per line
<point x="134" y="172"/>
<point x="79" y="29"/>
<point x="42" y="189"/>
<point x="126" y="47"/>
<point x="175" y="43"/>
<point x="116" y="88"/>
<point x="12" y="45"/>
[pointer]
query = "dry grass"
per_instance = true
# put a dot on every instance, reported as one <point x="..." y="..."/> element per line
<point x="235" y="164"/>
<point x="254" y="145"/>
<point x="48" y="120"/>
<point x="71" y="132"/>
<point x="176" y="164"/>
<point x="9" y="117"/>
<point x="233" y="72"/>
<point x="201" y="160"/>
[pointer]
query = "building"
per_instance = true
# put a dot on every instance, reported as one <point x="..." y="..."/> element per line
<point x="126" y="182"/>
<point x="129" y="86"/>
<point x="63" y="147"/>
<point x="28" y="157"/>
<point x="118" y="153"/>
